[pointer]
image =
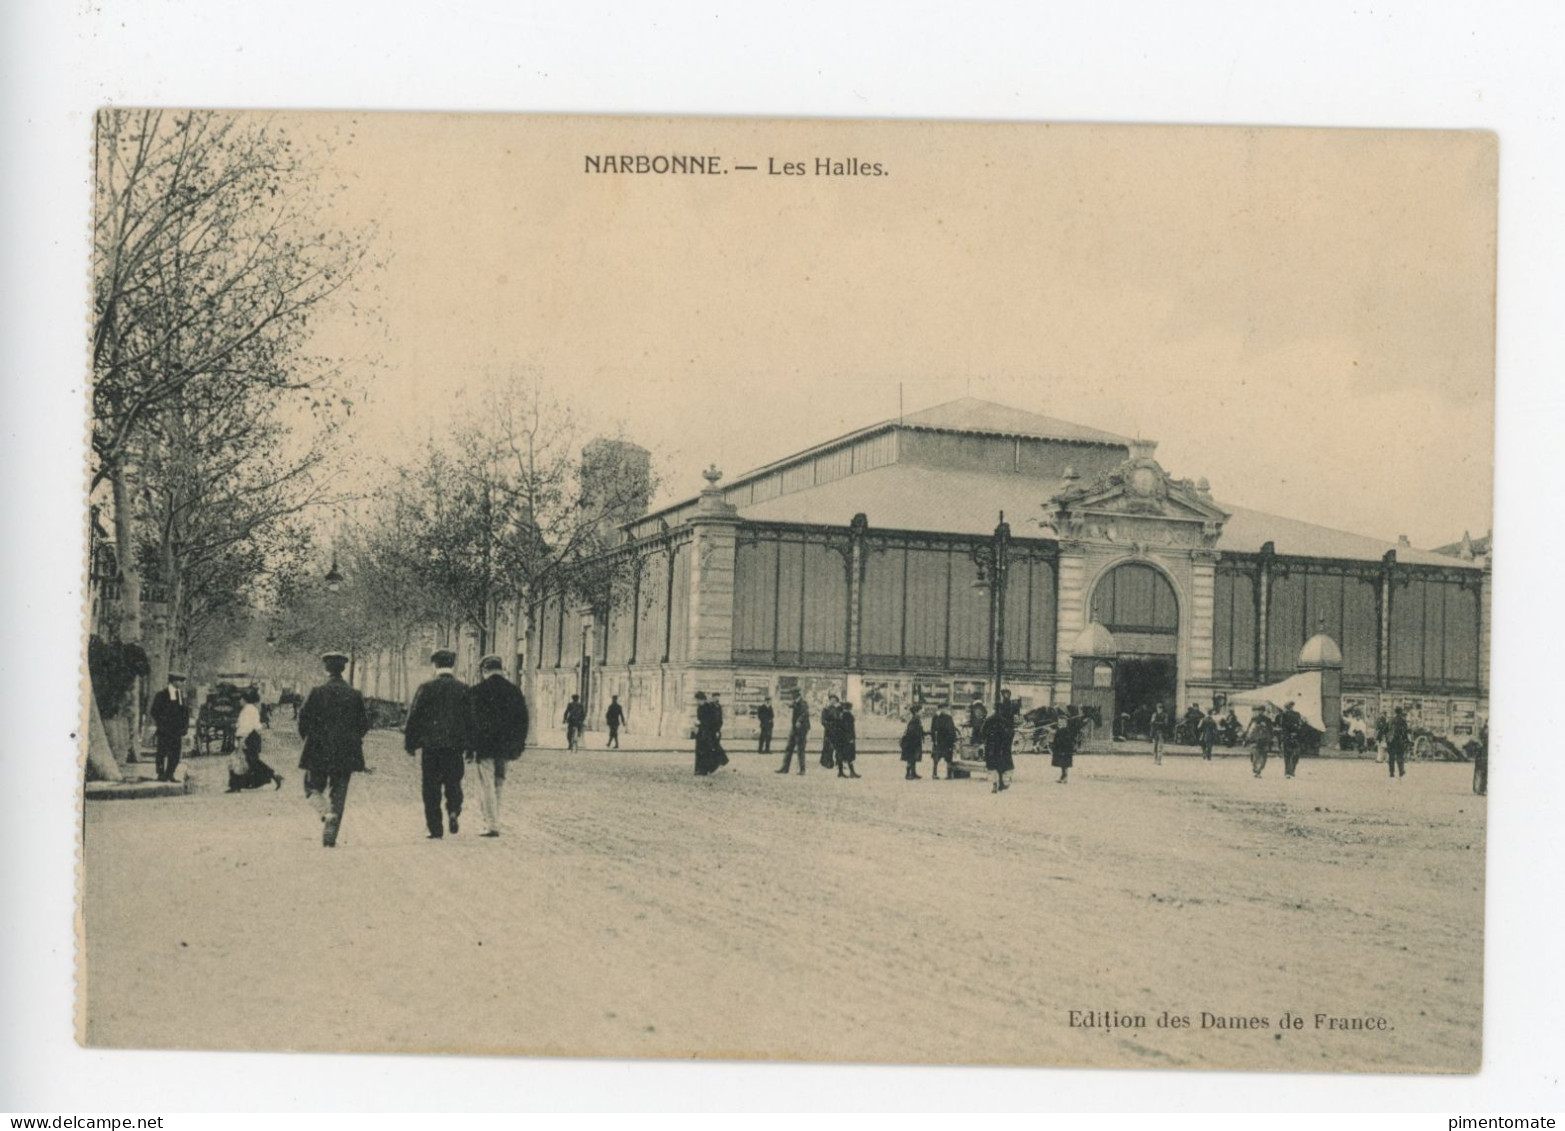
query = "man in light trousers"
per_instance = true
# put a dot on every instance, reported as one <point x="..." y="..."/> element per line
<point x="499" y="735"/>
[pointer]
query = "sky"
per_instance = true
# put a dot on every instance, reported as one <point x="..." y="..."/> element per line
<point x="1303" y="317"/>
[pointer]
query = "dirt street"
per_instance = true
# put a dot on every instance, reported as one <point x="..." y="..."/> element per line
<point x="631" y="909"/>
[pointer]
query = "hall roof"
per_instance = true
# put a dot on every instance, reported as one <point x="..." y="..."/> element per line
<point x="905" y="497"/>
<point x="970" y="414"/>
<point x="965" y="414"/>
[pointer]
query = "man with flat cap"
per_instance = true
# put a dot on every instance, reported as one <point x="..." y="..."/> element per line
<point x="440" y="723"/>
<point x="333" y="723"/>
<point x="499" y="735"/>
<point x="171" y="716"/>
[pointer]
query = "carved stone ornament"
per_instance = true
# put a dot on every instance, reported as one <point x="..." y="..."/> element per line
<point x="1140" y="503"/>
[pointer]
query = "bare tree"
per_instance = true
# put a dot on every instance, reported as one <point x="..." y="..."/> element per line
<point x="209" y="261"/>
<point x="512" y="505"/>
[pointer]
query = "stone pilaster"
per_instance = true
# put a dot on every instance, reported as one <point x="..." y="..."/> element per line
<point x="1071" y="615"/>
<point x="713" y="549"/>
<point x="1203" y="590"/>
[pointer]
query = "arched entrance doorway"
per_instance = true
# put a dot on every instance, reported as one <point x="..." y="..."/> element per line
<point x="1136" y="602"/>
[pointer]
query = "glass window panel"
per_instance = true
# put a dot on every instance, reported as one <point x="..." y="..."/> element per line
<point x="969" y="613"/>
<point x="927" y="581"/>
<point x="1360" y="628"/>
<point x="679" y="614"/>
<point x="825" y="602"/>
<point x="1461" y="635"/>
<point x="790" y="595"/>
<point x="1285" y="623"/>
<point x="881" y="629"/>
<point x="755" y="596"/>
<point x="1407" y="629"/>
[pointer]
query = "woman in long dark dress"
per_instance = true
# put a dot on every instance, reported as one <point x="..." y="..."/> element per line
<point x="1062" y="747"/>
<point x="913" y="744"/>
<point x="847" y="741"/>
<point x="245" y="769"/>
<point x="710" y="755"/>
<point x="996" y="735"/>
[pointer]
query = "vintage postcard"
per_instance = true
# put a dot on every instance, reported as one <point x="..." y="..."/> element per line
<point x="835" y="591"/>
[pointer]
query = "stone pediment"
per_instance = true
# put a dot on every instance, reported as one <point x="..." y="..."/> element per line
<point x="1140" y="503"/>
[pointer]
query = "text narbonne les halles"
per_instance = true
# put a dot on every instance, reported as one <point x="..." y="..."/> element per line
<point x="706" y="165"/>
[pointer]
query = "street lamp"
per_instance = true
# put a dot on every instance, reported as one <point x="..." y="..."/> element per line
<point x="994" y="563"/>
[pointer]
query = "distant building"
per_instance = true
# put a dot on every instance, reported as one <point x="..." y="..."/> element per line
<point x="865" y="566"/>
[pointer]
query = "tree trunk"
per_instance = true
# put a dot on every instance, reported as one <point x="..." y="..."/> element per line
<point x="122" y="484"/>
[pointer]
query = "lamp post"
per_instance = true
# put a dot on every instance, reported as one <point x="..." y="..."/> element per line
<point x="994" y="564"/>
<point x="334" y="581"/>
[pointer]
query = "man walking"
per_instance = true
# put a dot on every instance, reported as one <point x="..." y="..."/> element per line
<point x="765" y="716"/>
<point x="499" y="735"/>
<point x="171" y="715"/>
<point x="333" y="723"/>
<point x="575" y="721"/>
<point x="1206" y="733"/>
<point x="615" y="718"/>
<point x="440" y="723"/>
<point x="1291" y="728"/>
<point x="1158" y="725"/>
<point x="798" y="734"/>
<point x="1260" y="739"/>
<point x="1399" y="738"/>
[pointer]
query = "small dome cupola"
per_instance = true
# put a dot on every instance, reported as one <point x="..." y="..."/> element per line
<point x="1320" y="651"/>
<point x="1095" y="640"/>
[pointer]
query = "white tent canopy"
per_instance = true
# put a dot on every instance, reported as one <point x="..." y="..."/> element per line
<point x="1302" y="689"/>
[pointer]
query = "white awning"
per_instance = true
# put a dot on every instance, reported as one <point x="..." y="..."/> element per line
<point x="1303" y="690"/>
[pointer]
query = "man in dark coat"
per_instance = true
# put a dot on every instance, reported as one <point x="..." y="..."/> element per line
<point x="845" y="743"/>
<point x="614" y="717"/>
<point x="1481" y="760"/>
<point x="575" y="720"/>
<point x="333" y="723"/>
<point x="997" y="733"/>
<point x="764" y="715"/>
<point x="942" y="741"/>
<point x="913" y="744"/>
<point x="829" y="715"/>
<point x="1290" y="732"/>
<point x="499" y="735"/>
<point x="798" y="734"/>
<point x="171" y="715"/>
<point x="1398" y="739"/>
<point x="440" y="723"/>
<point x="1206" y="733"/>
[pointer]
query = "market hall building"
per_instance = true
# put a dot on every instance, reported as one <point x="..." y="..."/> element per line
<point x="875" y="566"/>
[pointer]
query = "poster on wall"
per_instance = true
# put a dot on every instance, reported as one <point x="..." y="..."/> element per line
<point x="930" y="691"/>
<point x="749" y="693"/>
<point x="817" y="687"/>
<point x="964" y="691"/>
<point x="1464" y="718"/>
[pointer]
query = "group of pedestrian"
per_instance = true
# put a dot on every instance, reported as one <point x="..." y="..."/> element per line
<point x="449" y="724"/>
<point x="839" y="735"/>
